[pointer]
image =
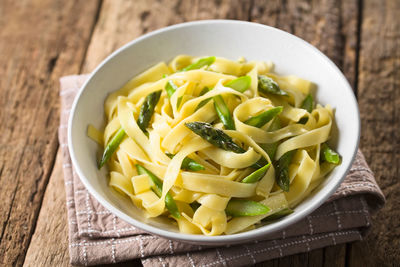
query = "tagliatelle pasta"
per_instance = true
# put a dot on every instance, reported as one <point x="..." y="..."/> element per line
<point x="218" y="146"/>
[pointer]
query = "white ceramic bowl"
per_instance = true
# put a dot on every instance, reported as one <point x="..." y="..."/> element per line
<point x="224" y="38"/>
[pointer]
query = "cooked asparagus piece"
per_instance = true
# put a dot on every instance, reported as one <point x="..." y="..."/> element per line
<point x="215" y="136"/>
<point x="256" y="175"/>
<point x="270" y="148"/>
<point x="205" y="101"/>
<point x="282" y="170"/>
<point x="170" y="87"/>
<point x="112" y="146"/>
<point x="157" y="189"/>
<point x="263" y="118"/>
<point x="147" y="110"/>
<point x="179" y="101"/>
<point x="329" y="155"/>
<point x="188" y="164"/>
<point x="240" y="84"/>
<point x="243" y="207"/>
<point x="219" y="139"/>
<point x="204" y="91"/>
<point x="223" y="112"/>
<point x="268" y="85"/>
<point x="207" y="61"/>
<point x="308" y="104"/>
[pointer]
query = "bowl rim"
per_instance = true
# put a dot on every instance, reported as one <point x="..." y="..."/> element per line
<point x="220" y="239"/>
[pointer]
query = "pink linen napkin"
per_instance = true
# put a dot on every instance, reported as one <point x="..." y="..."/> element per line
<point x="96" y="236"/>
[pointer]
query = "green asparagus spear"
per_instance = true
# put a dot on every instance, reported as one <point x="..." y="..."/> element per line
<point x="188" y="164"/>
<point x="243" y="207"/>
<point x="270" y="148"/>
<point x="260" y="163"/>
<point x="147" y="110"/>
<point x="308" y="104"/>
<point x="219" y="139"/>
<point x="260" y="120"/>
<point x="191" y="165"/>
<point x="111" y="147"/>
<point x="214" y="136"/>
<point x="156" y="181"/>
<point x="240" y="84"/>
<point x="170" y="87"/>
<point x="267" y="85"/>
<point x="204" y="91"/>
<point x="179" y="101"/>
<point x="205" y="101"/>
<point x="223" y="112"/>
<point x="171" y="206"/>
<point x="329" y="155"/>
<point x="257" y="175"/>
<point x="263" y="118"/>
<point x="206" y="61"/>
<point x="278" y="215"/>
<point x="169" y="200"/>
<point x="282" y="168"/>
<point x="202" y="103"/>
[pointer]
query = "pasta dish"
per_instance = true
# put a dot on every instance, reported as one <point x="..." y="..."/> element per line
<point x="214" y="145"/>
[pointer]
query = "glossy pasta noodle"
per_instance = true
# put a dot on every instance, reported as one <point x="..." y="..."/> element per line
<point x="215" y="145"/>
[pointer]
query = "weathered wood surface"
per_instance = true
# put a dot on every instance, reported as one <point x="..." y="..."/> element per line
<point x="49" y="39"/>
<point x="49" y="244"/>
<point x="379" y="101"/>
<point x="121" y="21"/>
<point x="40" y="41"/>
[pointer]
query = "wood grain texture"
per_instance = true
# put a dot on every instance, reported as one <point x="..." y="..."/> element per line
<point x="122" y="21"/>
<point x="379" y="101"/>
<point x="335" y="256"/>
<point x="41" y="41"/>
<point x="49" y="244"/>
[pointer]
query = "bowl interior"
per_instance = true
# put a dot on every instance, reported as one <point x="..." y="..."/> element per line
<point x="230" y="39"/>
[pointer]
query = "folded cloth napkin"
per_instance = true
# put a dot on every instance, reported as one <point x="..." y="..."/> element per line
<point x="97" y="236"/>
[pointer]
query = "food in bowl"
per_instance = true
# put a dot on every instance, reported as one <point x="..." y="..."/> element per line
<point x="218" y="146"/>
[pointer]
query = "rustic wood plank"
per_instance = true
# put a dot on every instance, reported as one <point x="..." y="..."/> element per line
<point x="335" y="256"/>
<point x="122" y="21"/>
<point x="51" y="233"/>
<point x="316" y="258"/>
<point x="316" y="22"/>
<point x="49" y="244"/>
<point x="41" y="41"/>
<point x="379" y="101"/>
<point x="298" y="260"/>
<point x="350" y="21"/>
<point x="331" y="26"/>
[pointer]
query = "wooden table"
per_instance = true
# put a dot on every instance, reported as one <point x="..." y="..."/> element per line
<point x="42" y="40"/>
